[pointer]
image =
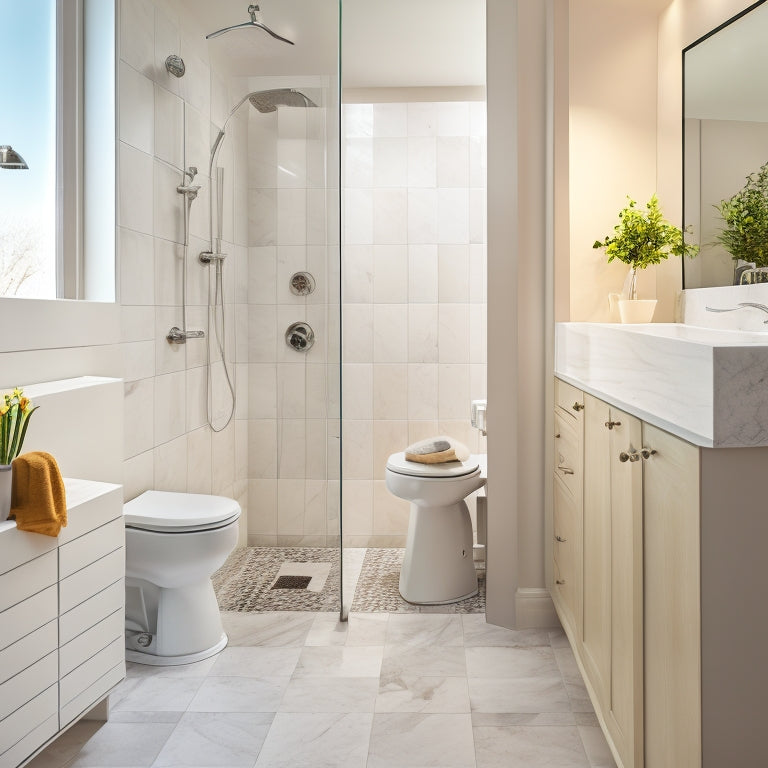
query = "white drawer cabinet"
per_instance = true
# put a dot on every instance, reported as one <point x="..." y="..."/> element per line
<point x="61" y="619"/>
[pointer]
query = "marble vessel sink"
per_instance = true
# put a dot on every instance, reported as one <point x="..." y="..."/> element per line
<point x="708" y="386"/>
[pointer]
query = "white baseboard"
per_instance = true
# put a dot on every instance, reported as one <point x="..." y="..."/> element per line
<point x="534" y="609"/>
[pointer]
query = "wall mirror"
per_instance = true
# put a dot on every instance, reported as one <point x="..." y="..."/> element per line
<point x="725" y="140"/>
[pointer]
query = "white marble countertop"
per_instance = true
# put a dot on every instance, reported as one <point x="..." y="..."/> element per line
<point x="708" y="386"/>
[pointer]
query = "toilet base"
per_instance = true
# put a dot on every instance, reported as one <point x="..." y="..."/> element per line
<point x="438" y="566"/>
<point x="141" y="657"/>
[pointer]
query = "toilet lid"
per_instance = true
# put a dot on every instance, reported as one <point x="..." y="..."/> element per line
<point x="177" y="512"/>
<point x="399" y="464"/>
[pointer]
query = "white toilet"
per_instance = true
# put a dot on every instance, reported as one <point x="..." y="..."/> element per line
<point x="438" y="566"/>
<point x="174" y="543"/>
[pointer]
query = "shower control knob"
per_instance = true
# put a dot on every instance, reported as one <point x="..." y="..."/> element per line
<point x="300" y="337"/>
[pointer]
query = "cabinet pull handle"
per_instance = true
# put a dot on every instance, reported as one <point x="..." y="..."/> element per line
<point x="646" y="453"/>
<point x="565" y="470"/>
<point x="612" y="424"/>
<point x="560" y="539"/>
<point x="560" y="581"/>
<point x="557" y="435"/>
<point x="578" y="406"/>
<point x="631" y="456"/>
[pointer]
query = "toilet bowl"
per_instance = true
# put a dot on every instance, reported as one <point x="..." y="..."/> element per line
<point x="438" y="566"/>
<point x="174" y="543"/>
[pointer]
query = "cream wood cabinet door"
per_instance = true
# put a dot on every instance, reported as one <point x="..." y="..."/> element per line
<point x="611" y="631"/>
<point x="672" y="602"/>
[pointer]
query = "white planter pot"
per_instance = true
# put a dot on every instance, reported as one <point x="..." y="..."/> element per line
<point x="636" y="310"/>
<point x="6" y="476"/>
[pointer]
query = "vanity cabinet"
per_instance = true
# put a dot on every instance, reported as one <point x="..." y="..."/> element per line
<point x="61" y="619"/>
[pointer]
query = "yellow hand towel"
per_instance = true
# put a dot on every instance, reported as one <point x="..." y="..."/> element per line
<point x="38" y="499"/>
<point x="437" y="450"/>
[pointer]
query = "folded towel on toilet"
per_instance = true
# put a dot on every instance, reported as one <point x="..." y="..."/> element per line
<point x="437" y="450"/>
<point x="38" y="498"/>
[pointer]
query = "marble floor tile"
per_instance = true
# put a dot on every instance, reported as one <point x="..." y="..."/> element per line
<point x="228" y="739"/>
<point x="530" y="694"/>
<point x="66" y="747"/>
<point x="526" y="746"/>
<point x="326" y="629"/>
<point x="330" y="694"/>
<point x="124" y="744"/>
<point x="317" y="741"/>
<point x="239" y="694"/>
<point x="414" y="693"/>
<point x="441" y="661"/>
<point x="406" y="740"/>
<point x="506" y="719"/>
<point x="367" y="629"/>
<point x="425" y="629"/>
<point x="339" y="661"/>
<point x="158" y="694"/>
<point x="479" y="633"/>
<point x="558" y="639"/>
<point x="260" y="661"/>
<point x="596" y="747"/>
<point x="535" y="661"/>
<point x="579" y="697"/>
<point x="198" y="669"/>
<point x="277" y="629"/>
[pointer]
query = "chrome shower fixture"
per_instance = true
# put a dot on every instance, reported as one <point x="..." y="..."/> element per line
<point x="256" y="21"/>
<point x="175" y="65"/>
<point x="10" y="159"/>
<point x="269" y="101"/>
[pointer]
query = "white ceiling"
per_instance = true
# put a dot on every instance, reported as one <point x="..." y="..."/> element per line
<point x="385" y="43"/>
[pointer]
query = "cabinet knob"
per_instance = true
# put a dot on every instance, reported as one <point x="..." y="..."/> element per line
<point x="646" y="453"/>
<point x="629" y="456"/>
<point x="557" y="434"/>
<point x="560" y="539"/>
<point x="565" y="470"/>
<point x="612" y="424"/>
<point x="560" y="581"/>
<point x="578" y="406"/>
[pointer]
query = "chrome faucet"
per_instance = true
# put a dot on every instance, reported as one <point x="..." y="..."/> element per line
<point x="741" y="305"/>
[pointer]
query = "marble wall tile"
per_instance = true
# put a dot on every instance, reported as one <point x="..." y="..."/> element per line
<point x="390" y="120"/>
<point x="390" y="162"/>
<point x="136" y="97"/>
<point x="135" y="197"/>
<point x="137" y="35"/>
<point x="422" y="160"/>
<point x="390" y="276"/>
<point x="169" y="126"/>
<point x="390" y="215"/>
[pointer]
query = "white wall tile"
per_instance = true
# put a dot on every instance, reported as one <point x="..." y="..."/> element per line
<point x="422" y="391"/>
<point x="137" y="323"/>
<point x="390" y="216"/>
<point x="262" y="275"/>
<point x="136" y="103"/>
<point x="137" y="35"/>
<point x="317" y="444"/>
<point x="422" y="333"/>
<point x="358" y="333"/>
<point x="197" y="406"/>
<point x="478" y="163"/>
<point x="453" y="396"/>
<point x="291" y="391"/>
<point x="477" y="286"/>
<point x="357" y="507"/>
<point x="390" y="274"/>
<point x="452" y="216"/>
<point x="453" y="333"/>
<point x="357" y="273"/>
<point x="358" y="163"/>
<point x="315" y="507"/>
<point x="223" y="460"/>
<point x="422" y="161"/>
<point x="262" y="391"/>
<point x="262" y="507"/>
<point x="389" y="436"/>
<point x="169" y="127"/>
<point x="358" y="216"/>
<point x="262" y="216"/>
<point x="291" y="216"/>
<point x="197" y="139"/>
<point x="171" y="465"/>
<point x="138" y="417"/>
<point x="390" y="514"/>
<point x="168" y="203"/>
<point x="357" y="449"/>
<point x="390" y="333"/>
<point x="138" y="475"/>
<point x="137" y="268"/>
<point x="390" y="391"/>
<point x="292" y="123"/>
<point x="262" y="448"/>
<point x="357" y="120"/>
<point x="357" y="385"/>
<point x="170" y="407"/>
<point x="390" y="120"/>
<point x="390" y="162"/>
<point x="477" y="216"/>
<point x="169" y="265"/>
<point x="422" y="216"/>
<point x="199" y="460"/>
<point x="453" y="118"/>
<point x="478" y="334"/>
<point x="453" y="273"/>
<point x="477" y="118"/>
<point x="135" y="189"/>
<point x="291" y="449"/>
<point x="168" y="357"/>
<point x="453" y="161"/>
<point x="290" y="507"/>
<point x="138" y="359"/>
<point x="317" y="387"/>
<point x="262" y="333"/>
<point x="422" y="118"/>
<point x="422" y="273"/>
<point x="167" y="41"/>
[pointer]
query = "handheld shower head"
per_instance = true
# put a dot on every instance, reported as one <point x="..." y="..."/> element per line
<point x="269" y="101"/>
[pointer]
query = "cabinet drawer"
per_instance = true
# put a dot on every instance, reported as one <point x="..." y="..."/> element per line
<point x="101" y="505"/>
<point x="19" y="547"/>
<point x="89" y="672"/>
<point x="29" y="615"/>
<point x="28" y="579"/>
<point x="569" y="400"/>
<point x="91" y="547"/>
<point x="26" y="685"/>
<point x="25" y="652"/>
<point x="90" y="642"/>
<point x="81" y="585"/>
<point x="25" y="719"/>
<point x="92" y="694"/>
<point x="30" y="743"/>
<point x="564" y="547"/>
<point x="567" y="455"/>
<point x="90" y="612"/>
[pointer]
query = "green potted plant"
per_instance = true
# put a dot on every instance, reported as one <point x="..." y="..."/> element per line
<point x="15" y="412"/>
<point x="745" y="218"/>
<point x="642" y="238"/>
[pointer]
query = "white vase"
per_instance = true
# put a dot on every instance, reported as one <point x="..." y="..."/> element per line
<point x="6" y="477"/>
<point x="636" y="310"/>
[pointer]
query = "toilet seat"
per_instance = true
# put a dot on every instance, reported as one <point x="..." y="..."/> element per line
<point x="400" y="465"/>
<point x="169" y="512"/>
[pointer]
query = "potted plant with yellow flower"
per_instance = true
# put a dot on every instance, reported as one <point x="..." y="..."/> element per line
<point x="642" y="238"/>
<point x="15" y="412"/>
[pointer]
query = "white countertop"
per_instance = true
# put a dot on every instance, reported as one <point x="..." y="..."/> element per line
<point x="708" y="386"/>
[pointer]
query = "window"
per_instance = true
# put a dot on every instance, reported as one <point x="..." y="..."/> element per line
<point x="57" y="112"/>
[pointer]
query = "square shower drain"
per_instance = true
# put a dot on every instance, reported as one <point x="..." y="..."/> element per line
<point x="292" y="582"/>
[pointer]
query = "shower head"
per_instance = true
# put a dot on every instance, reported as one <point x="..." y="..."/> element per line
<point x="11" y="159"/>
<point x="269" y="101"/>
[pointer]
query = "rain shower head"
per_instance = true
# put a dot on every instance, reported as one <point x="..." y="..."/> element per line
<point x="269" y="101"/>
